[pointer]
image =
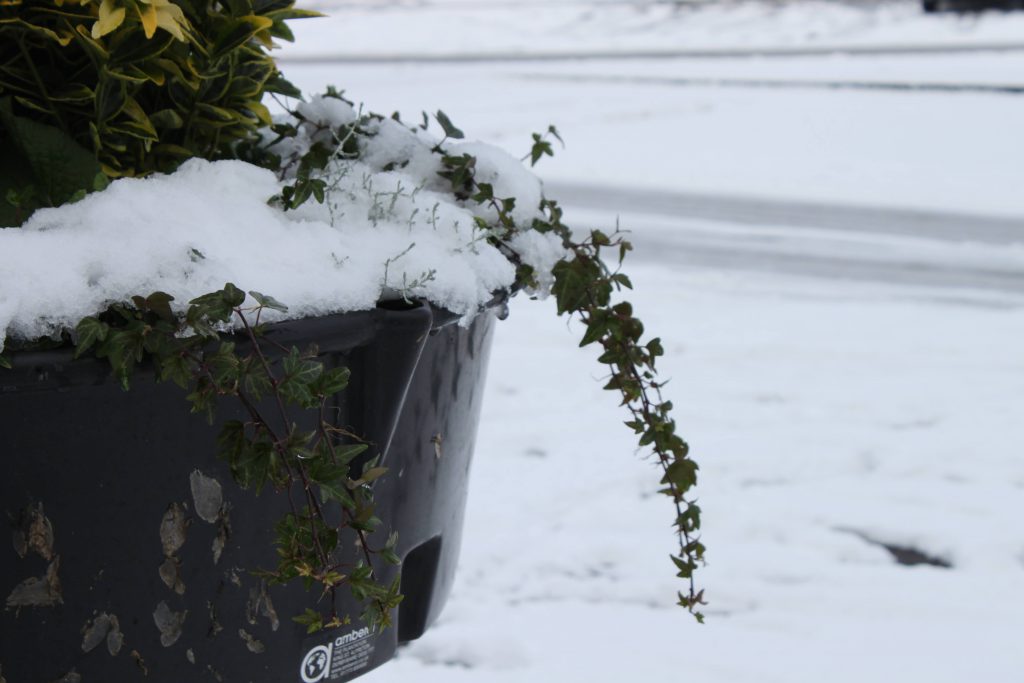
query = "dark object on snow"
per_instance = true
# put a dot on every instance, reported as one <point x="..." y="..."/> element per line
<point x="970" y="5"/>
<point x="905" y="555"/>
<point x="911" y="557"/>
<point x="107" y="480"/>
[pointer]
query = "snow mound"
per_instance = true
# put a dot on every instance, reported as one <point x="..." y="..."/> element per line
<point x="387" y="230"/>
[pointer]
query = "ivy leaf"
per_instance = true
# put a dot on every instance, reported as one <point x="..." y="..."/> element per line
<point x="346" y="454"/>
<point x="369" y="476"/>
<point x="685" y="567"/>
<point x="90" y="331"/>
<point x="597" y="327"/>
<point x="540" y="149"/>
<point x="267" y="301"/>
<point x="212" y="306"/>
<point x="554" y="131"/>
<point x="223" y="365"/>
<point x="160" y="304"/>
<point x="333" y="381"/>
<point x="337" y="492"/>
<point x="231" y="440"/>
<point x="301" y="371"/>
<point x="311" y="619"/>
<point x="622" y="280"/>
<point x="177" y="368"/>
<point x="233" y="296"/>
<point x="448" y="127"/>
<point x="573" y="285"/>
<point x="257" y="384"/>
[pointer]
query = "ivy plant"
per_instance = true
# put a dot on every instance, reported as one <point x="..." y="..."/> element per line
<point x="585" y="287"/>
<point x="311" y="468"/>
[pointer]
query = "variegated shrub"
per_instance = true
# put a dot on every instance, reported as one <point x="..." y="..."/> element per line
<point x="127" y="87"/>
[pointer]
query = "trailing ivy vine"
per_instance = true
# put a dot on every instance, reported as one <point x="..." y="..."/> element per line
<point x="584" y="287"/>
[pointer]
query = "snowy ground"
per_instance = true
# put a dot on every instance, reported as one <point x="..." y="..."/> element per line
<point x="503" y="27"/>
<point x="824" y="415"/>
<point x="844" y="386"/>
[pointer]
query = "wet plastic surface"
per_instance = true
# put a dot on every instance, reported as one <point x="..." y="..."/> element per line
<point x="108" y="516"/>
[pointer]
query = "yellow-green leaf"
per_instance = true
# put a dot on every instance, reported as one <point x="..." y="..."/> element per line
<point x="147" y="15"/>
<point x="110" y="18"/>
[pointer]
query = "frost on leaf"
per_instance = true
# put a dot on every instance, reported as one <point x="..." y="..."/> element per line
<point x="44" y="591"/>
<point x="34" y="533"/>
<point x="254" y="645"/>
<point x="207" y="496"/>
<point x="172" y="529"/>
<point x="169" y="623"/>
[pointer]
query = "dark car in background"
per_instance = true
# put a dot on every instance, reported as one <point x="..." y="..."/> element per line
<point x="970" y="5"/>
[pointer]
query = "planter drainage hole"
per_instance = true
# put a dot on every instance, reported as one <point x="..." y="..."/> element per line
<point x="419" y="571"/>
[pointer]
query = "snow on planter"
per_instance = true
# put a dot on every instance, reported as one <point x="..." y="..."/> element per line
<point x="389" y="228"/>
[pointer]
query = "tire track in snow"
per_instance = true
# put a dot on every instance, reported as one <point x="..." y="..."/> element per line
<point x="593" y="55"/>
<point x="785" y="83"/>
<point x="938" y="251"/>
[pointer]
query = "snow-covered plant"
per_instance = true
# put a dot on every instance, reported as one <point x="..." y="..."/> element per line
<point x="317" y="154"/>
<point x="430" y="217"/>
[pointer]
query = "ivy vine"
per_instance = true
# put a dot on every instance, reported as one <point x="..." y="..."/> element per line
<point x="584" y="287"/>
<point x="312" y="468"/>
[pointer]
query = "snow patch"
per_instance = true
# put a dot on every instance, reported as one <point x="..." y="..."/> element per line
<point x="389" y="229"/>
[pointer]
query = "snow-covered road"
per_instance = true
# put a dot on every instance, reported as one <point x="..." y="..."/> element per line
<point x="944" y="254"/>
<point x="931" y="151"/>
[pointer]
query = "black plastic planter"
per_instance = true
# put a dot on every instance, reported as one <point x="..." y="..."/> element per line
<point x="100" y="485"/>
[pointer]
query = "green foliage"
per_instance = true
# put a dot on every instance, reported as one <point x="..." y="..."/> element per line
<point x="128" y="87"/>
<point x="268" y="448"/>
<point x="41" y="166"/>
<point x="585" y="287"/>
<point x="542" y="145"/>
<point x="450" y="131"/>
